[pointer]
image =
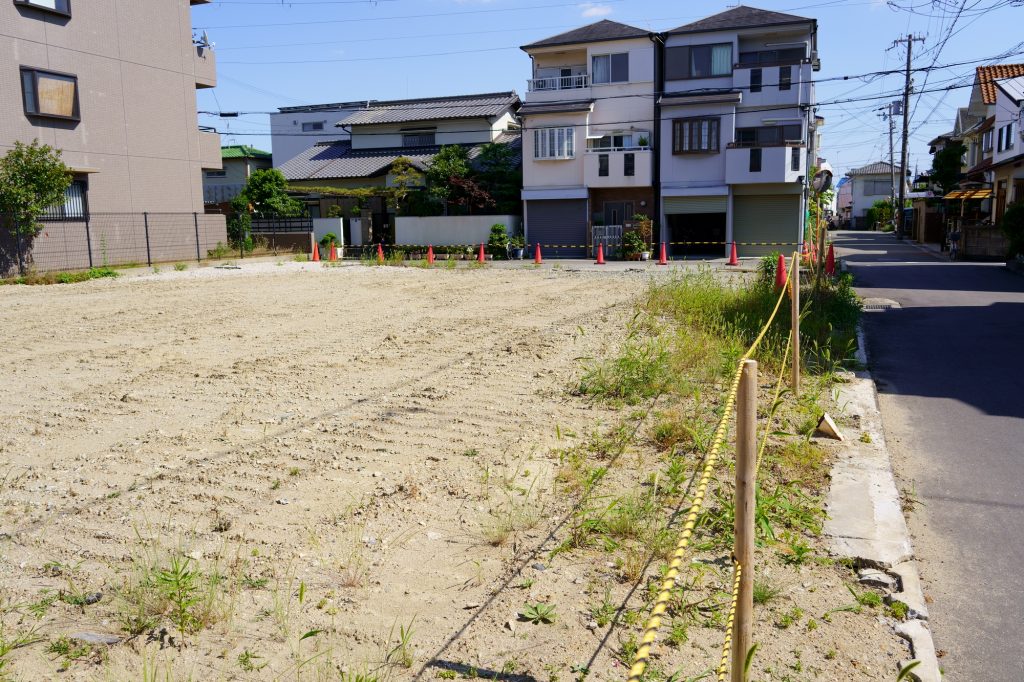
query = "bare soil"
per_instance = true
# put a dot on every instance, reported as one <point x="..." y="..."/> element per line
<point x="339" y="453"/>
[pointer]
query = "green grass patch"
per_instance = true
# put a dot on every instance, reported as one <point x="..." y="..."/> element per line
<point x="34" y="278"/>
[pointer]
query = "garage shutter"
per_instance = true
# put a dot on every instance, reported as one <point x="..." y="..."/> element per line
<point x="677" y="205"/>
<point x="766" y="219"/>
<point x="558" y="222"/>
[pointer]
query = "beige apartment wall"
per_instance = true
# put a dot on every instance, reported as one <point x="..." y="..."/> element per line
<point x="136" y="67"/>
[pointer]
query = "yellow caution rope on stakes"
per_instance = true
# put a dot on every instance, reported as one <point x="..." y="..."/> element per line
<point x="643" y="653"/>
<point x="724" y="662"/>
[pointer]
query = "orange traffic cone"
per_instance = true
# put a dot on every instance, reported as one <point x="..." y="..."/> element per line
<point x="480" y="256"/>
<point x="780" y="273"/>
<point x="536" y="255"/>
<point x="334" y="252"/>
<point x="662" y="260"/>
<point x="380" y="253"/>
<point x="316" y="253"/>
<point x="733" y="258"/>
<point x="600" y="254"/>
<point x="430" y="254"/>
<point x="830" y="261"/>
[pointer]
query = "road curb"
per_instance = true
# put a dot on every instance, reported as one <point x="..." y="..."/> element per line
<point x="865" y="518"/>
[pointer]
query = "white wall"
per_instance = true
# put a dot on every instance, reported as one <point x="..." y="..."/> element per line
<point x="695" y="170"/>
<point x="322" y="226"/>
<point x="287" y="139"/>
<point x="1006" y="112"/>
<point x="458" y="131"/>
<point x="554" y="172"/>
<point x="451" y="230"/>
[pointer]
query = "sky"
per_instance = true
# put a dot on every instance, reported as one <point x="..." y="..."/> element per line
<point x="274" y="53"/>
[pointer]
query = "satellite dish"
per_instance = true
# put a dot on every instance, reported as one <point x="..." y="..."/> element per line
<point x="822" y="181"/>
<point x="205" y="41"/>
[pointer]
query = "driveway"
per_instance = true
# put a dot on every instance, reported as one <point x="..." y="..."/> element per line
<point x="951" y="390"/>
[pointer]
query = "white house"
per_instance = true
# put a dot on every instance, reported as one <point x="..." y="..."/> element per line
<point x="1008" y="157"/>
<point x="869" y="184"/>
<point x="588" y="120"/>
<point x="293" y="130"/>
<point x="737" y="130"/>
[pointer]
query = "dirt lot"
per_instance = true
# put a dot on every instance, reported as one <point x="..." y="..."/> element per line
<point x="310" y="461"/>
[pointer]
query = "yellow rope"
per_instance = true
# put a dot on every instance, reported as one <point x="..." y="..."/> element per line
<point x="643" y="652"/>
<point x="775" y="401"/>
<point x="737" y="572"/>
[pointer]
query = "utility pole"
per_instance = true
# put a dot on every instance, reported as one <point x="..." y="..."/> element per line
<point x="909" y="40"/>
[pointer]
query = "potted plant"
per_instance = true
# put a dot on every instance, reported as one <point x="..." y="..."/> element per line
<point x="642" y="142"/>
<point x="644" y="226"/>
<point x="517" y="247"/>
<point x="633" y="245"/>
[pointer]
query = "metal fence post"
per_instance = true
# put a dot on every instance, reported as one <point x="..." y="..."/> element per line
<point x="795" y="317"/>
<point x="145" y="223"/>
<point x="88" y="241"/>
<point x="745" y="509"/>
<point x="195" y="221"/>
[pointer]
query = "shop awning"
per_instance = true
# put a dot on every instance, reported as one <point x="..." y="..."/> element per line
<point x="969" y="194"/>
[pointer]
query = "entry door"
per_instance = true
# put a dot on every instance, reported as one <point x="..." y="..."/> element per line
<point x="617" y="212"/>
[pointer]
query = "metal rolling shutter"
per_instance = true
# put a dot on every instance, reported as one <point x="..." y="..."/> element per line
<point x="675" y="205"/>
<point x="766" y="219"/>
<point x="558" y="222"/>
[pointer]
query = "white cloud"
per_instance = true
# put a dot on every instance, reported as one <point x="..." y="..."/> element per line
<point x="592" y="10"/>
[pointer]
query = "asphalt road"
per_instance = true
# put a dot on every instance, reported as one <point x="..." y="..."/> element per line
<point x="951" y="388"/>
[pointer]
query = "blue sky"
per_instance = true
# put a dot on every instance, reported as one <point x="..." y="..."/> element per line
<point x="273" y="53"/>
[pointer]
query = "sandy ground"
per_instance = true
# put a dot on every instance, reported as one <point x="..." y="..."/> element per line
<point x="335" y="446"/>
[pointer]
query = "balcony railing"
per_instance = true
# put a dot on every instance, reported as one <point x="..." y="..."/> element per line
<point x="605" y="150"/>
<point x="576" y="82"/>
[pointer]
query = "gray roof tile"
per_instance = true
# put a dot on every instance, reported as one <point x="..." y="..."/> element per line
<point x="876" y="168"/>
<point x="592" y="33"/>
<point x="331" y="160"/>
<point x="432" y="109"/>
<point x="740" y="17"/>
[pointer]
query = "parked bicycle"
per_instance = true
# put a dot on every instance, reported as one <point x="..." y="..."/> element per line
<point x="953" y="239"/>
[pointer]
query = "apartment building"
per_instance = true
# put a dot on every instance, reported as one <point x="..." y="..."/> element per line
<point x="113" y="85"/>
<point x="737" y="129"/>
<point x="588" y="119"/>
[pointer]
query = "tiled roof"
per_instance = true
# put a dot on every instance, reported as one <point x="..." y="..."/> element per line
<point x="241" y="151"/>
<point x="877" y="168"/>
<point x="556" y="107"/>
<point x="740" y="17"/>
<point x="592" y="33"/>
<point x="328" y="160"/>
<point x="986" y="76"/>
<point x="432" y="109"/>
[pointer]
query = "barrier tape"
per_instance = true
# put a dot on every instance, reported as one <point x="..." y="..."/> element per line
<point x="643" y="653"/>
<point x="737" y="570"/>
<point x="424" y="247"/>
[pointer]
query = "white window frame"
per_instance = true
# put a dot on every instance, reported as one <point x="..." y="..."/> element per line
<point x="311" y="126"/>
<point x="554" y="143"/>
<point x="61" y="7"/>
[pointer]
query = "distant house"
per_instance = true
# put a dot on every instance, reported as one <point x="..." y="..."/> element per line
<point x="869" y="184"/>
<point x="381" y="132"/>
<point x="221" y="186"/>
<point x="293" y="130"/>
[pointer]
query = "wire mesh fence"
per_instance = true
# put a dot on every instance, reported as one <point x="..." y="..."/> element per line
<point x="112" y="239"/>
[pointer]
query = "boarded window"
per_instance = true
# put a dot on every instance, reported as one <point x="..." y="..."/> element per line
<point x="49" y="94"/>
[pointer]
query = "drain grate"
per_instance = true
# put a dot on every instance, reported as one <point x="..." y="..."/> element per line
<point x="872" y="305"/>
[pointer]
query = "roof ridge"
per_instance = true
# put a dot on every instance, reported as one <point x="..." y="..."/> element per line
<point x="720" y="21"/>
<point x="509" y="94"/>
<point x="591" y="33"/>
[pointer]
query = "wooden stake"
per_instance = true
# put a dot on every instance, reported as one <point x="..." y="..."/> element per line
<point x="795" y="321"/>
<point x="746" y="474"/>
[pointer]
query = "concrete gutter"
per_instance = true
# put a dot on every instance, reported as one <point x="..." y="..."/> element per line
<point x="865" y="519"/>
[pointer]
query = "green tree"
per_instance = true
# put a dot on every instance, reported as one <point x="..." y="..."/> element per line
<point x="501" y="176"/>
<point x="451" y="162"/>
<point x="946" y="166"/>
<point x="266" y="195"/>
<point x="32" y="179"/>
<point x="404" y="179"/>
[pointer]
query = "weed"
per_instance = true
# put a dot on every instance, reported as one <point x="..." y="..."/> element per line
<point x="526" y="583"/>
<point x="812" y="625"/>
<point x="897" y="610"/>
<point x="179" y="586"/>
<point x="276" y="484"/>
<point x="253" y="582"/>
<point x="33" y="278"/>
<point x="765" y="592"/>
<point x="219" y="251"/>
<point x="470" y="452"/>
<point x="795" y="551"/>
<point x="678" y="633"/>
<point x="538" y="613"/>
<point x="865" y="437"/>
<point x="294" y="471"/>
<point x="402" y="653"/>
<point x="866" y="598"/>
<point x="627" y="650"/>
<point x="831" y="654"/>
<point x="603" y="612"/>
<point x="247" y="661"/>
<point x="179" y="267"/>
<point x="447" y="674"/>
<point x="789" y="618"/>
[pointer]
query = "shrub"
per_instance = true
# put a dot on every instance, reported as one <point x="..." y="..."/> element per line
<point x="633" y="243"/>
<point x="498" y="241"/>
<point x="328" y="239"/>
<point x="1012" y="226"/>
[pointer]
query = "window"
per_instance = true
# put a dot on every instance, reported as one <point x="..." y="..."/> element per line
<point x="56" y="6"/>
<point x="616" y="141"/>
<point x="755" y="160"/>
<point x="794" y="158"/>
<point x="216" y="174"/>
<point x="986" y="141"/>
<point x="75" y="205"/>
<point x="554" y="143"/>
<point x="699" y="61"/>
<point x="1000" y="142"/>
<point x="611" y="68"/>
<point x="419" y="138"/>
<point x="695" y="135"/>
<point x="46" y="93"/>
<point x="877" y="188"/>
<point x="793" y="55"/>
<point x="1009" y="135"/>
<point x="755" y="80"/>
<point x="310" y="126"/>
<point x="602" y="165"/>
<point x="785" y="77"/>
<point x="769" y="136"/>
<point x="629" y="165"/>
